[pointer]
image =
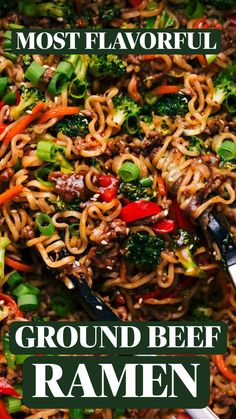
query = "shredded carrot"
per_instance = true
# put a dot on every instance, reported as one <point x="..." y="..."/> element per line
<point x="201" y="23"/>
<point x="161" y="186"/>
<point x="10" y="302"/>
<point x="122" y="270"/>
<point x="23" y="123"/>
<point x="18" y="265"/>
<point x="202" y="60"/>
<point x="58" y="113"/>
<point x="166" y="89"/>
<point x="224" y="369"/>
<point x="149" y="57"/>
<point x="10" y="193"/>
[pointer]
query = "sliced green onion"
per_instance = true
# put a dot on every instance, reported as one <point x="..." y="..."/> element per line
<point x="76" y="414"/>
<point x="15" y="26"/>
<point x="72" y="59"/>
<point x="3" y="84"/>
<point x="65" y="68"/>
<point x="78" y="88"/>
<point x="10" y="56"/>
<point x="45" y="225"/>
<point x="20" y="359"/>
<point x="7" y="45"/>
<point x="23" y="289"/>
<point x="194" y="9"/>
<point x="14" y="279"/>
<point x="211" y="58"/>
<point x="9" y="98"/>
<point x="129" y="171"/>
<point x="146" y="181"/>
<point x="227" y="150"/>
<point x="7" y="35"/>
<point x="230" y="103"/>
<point x="60" y="305"/>
<point x="6" y="350"/>
<point x="28" y="302"/>
<point x="74" y="229"/>
<point x="13" y="404"/>
<point x="34" y="72"/>
<point x="57" y="84"/>
<point x="41" y="174"/>
<point x="46" y="151"/>
<point x="65" y="165"/>
<point x="89" y="411"/>
<point x="132" y="123"/>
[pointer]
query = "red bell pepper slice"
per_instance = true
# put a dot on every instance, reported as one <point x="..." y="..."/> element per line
<point x="108" y="187"/>
<point x="135" y="3"/>
<point x="105" y="180"/>
<point x="3" y="411"/>
<point x="108" y="194"/>
<point x="10" y="302"/>
<point x="2" y="127"/>
<point x="183" y="416"/>
<point x="163" y="226"/>
<point x="6" y="388"/>
<point x="138" y="210"/>
<point x="1" y="104"/>
<point x="181" y="219"/>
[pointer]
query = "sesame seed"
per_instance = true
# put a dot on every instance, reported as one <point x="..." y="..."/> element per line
<point x="104" y="242"/>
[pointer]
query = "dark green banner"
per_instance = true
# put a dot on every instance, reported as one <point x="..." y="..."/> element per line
<point x="116" y="382"/>
<point x="206" y="337"/>
<point x="116" y="41"/>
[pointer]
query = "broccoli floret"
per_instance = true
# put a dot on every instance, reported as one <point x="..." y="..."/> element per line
<point x="108" y="12"/>
<point x="4" y="242"/>
<point x="72" y="126"/>
<point x="7" y="6"/>
<point x="171" y="105"/>
<point x="143" y="248"/>
<point x="184" y="244"/>
<point x="195" y="144"/>
<point x="29" y="97"/>
<point x="56" y="9"/>
<point x="222" y="4"/>
<point x="202" y="313"/>
<point x="62" y="206"/>
<point x="123" y="107"/>
<point x="223" y="85"/>
<point x="107" y="67"/>
<point x="134" y="191"/>
<point x="27" y="59"/>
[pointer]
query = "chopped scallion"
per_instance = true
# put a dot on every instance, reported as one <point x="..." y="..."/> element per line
<point x="34" y="72"/>
<point x="78" y="88"/>
<point x="129" y="172"/>
<point x="132" y="123"/>
<point x="146" y="181"/>
<point x="45" y="224"/>
<point x="227" y="150"/>
<point x="14" y="279"/>
<point x="9" y="98"/>
<point x="28" y="302"/>
<point x="65" y="68"/>
<point x="60" y="305"/>
<point x="3" y="84"/>
<point x="23" y="289"/>
<point x="41" y="174"/>
<point x="57" y="84"/>
<point x="13" y="404"/>
<point x="46" y="151"/>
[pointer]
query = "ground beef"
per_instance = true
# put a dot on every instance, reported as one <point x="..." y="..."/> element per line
<point x="104" y="258"/>
<point x="228" y="39"/>
<point x="213" y="184"/>
<point x="47" y="75"/>
<point x="220" y="397"/>
<point x="28" y="232"/>
<point x="117" y="228"/>
<point x="6" y="175"/>
<point x="69" y="186"/>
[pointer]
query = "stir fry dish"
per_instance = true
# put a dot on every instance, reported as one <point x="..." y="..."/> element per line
<point x="107" y="165"/>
